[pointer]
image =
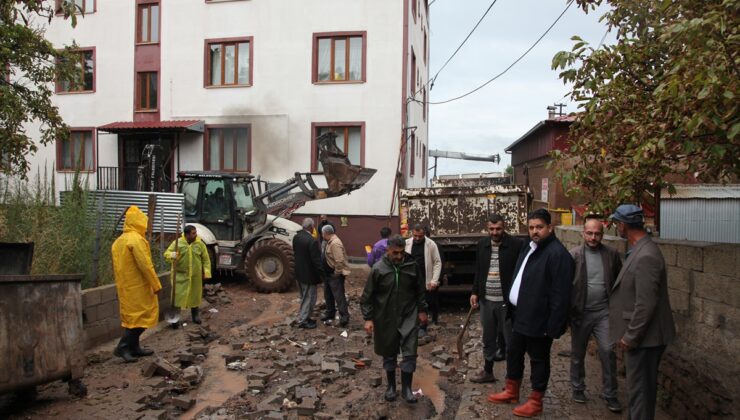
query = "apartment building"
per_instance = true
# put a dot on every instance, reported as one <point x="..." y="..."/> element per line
<point x="248" y="85"/>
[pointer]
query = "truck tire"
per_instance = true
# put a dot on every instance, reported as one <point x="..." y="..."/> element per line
<point x="269" y="265"/>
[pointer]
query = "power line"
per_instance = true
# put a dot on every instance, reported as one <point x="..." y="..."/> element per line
<point x="431" y="82"/>
<point x="510" y="66"/>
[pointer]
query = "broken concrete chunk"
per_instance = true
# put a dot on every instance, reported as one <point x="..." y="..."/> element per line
<point x="193" y="374"/>
<point x="438" y="350"/>
<point x="438" y="365"/>
<point x="307" y="407"/>
<point x="234" y="357"/>
<point x="445" y="358"/>
<point x="349" y="367"/>
<point x="306" y="392"/>
<point x="198" y="349"/>
<point x="376" y="381"/>
<point x="256" y="385"/>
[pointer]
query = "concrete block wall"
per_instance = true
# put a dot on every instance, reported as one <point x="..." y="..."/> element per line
<point x="101" y="321"/>
<point x="700" y="371"/>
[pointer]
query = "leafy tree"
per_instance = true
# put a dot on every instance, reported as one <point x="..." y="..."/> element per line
<point x="509" y="170"/>
<point x="29" y="64"/>
<point x="658" y="106"/>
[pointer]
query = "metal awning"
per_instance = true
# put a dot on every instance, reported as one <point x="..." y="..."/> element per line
<point x="194" y="126"/>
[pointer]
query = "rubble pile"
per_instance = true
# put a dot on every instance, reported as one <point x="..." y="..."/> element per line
<point x="215" y="294"/>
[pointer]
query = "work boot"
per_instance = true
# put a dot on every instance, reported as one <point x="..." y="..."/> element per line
<point x="485" y="376"/>
<point x="390" y="391"/>
<point x="327" y="317"/>
<point x="123" y="349"/>
<point x="532" y="407"/>
<point x="406" y="392"/>
<point x="136" y="348"/>
<point x="195" y="314"/>
<point x="509" y="395"/>
<point x="343" y="322"/>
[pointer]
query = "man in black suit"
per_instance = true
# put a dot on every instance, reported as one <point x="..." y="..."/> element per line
<point x="496" y="256"/>
<point x="540" y="304"/>
<point x="308" y="271"/>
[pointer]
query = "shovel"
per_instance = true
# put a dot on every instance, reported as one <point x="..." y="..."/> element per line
<point x="460" y="336"/>
<point x="172" y="315"/>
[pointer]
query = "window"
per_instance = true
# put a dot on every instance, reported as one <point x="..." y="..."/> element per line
<point x="412" y="76"/>
<point x="350" y="140"/>
<point x="228" y="148"/>
<point x="85" y="79"/>
<point x="412" y="164"/>
<point x="424" y="103"/>
<point x="148" y="24"/>
<point x="339" y="57"/>
<point x="424" y="161"/>
<point x="425" y="52"/>
<point x="77" y="152"/>
<point x="146" y="88"/>
<point x="83" y="6"/>
<point x="229" y="62"/>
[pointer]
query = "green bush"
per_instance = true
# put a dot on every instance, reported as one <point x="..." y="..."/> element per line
<point x="64" y="235"/>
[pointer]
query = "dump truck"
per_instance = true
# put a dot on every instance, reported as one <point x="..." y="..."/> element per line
<point x="243" y="219"/>
<point x="456" y="215"/>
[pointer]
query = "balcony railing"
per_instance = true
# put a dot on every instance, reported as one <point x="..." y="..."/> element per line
<point x="126" y="179"/>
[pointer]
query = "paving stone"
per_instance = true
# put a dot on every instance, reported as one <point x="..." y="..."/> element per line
<point x="197" y="349"/>
<point x="183" y="403"/>
<point x="155" y="415"/>
<point x="349" y="367"/>
<point x="256" y="385"/>
<point x="261" y="373"/>
<point x="447" y="371"/>
<point x="367" y="361"/>
<point x="161" y="367"/>
<point x="307" y="407"/>
<point x="234" y="357"/>
<point x="193" y="374"/>
<point x="315" y="359"/>
<point x="438" y="350"/>
<point x="185" y="358"/>
<point x="306" y="392"/>
<point x="355" y="353"/>
<point x="438" y="365"/>
<point x="376" y="381"/>
<point x="445" y="358"/>
<point x="329" y="366"/>
<point x="307" y="370"/>
<point x="322" y="416"/>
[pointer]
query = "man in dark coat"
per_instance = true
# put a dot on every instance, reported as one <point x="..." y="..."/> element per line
<point x="540" y="304"/>
<point x="597" y="267"/>
<point x="496" y="256"/>
<point x="393" y="305"/>
<point x="640" y="317"/>
<point x="308" y="271"/>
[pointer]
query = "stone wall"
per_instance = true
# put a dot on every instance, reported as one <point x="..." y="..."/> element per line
<point x="700" y="371"/>
<point x="100" y="312"/>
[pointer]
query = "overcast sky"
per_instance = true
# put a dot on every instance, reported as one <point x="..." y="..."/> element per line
<point x="492" y="118"/>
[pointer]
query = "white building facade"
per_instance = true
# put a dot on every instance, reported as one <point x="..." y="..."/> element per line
<point x="247" y="85"/>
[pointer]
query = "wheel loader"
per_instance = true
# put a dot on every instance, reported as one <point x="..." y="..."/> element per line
<point x="243" y="219"/>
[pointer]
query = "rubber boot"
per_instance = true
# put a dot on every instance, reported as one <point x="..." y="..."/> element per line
<point x="532" y="407"/>
<point x="390" y="391"/>
<point x="136" y="348"/>
<point x="406" y="392"/>
<point x="195" y="314"/>
<point x="123" y="350"/>
<point x="509" y="395"/>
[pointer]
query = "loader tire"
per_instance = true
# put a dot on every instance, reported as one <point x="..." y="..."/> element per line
<point x="269" y="265"/>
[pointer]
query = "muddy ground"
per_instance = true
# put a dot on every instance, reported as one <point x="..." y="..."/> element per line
<point x="257" y="365"/>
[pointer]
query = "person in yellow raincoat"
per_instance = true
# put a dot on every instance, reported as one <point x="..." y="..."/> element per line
<point x="193" y="265"/>
<point x="137" y="285"/>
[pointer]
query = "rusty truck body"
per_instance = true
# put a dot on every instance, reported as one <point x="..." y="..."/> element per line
<point x="456" y="216"/>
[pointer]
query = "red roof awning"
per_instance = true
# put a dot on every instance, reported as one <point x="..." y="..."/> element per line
<point x="196" y="126"/>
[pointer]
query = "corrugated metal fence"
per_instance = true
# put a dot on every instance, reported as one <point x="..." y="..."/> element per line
<point x="112" y="203"/>
<point x="700" y="220"/>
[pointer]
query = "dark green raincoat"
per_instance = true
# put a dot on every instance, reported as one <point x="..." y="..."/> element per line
<point x="392" y="299"/>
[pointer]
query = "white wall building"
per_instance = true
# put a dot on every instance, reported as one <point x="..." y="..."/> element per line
<point x="247" y="85"/>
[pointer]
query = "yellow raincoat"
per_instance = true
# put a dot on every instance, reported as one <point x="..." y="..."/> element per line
<point x="136" y="280"/>
<point x="193" y="265"/>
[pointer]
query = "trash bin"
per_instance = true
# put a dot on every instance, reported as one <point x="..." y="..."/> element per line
<point x="16" y="258"/>
<point x="41" y="335"/>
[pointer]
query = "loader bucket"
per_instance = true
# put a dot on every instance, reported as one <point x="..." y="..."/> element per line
<point x="341" y="176"/>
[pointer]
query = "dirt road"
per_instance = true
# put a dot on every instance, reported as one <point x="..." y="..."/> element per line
<point x="280" y="371"/>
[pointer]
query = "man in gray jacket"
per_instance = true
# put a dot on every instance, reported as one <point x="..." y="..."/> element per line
<point x="597" y="267"/>
<point x="640" y="317"/>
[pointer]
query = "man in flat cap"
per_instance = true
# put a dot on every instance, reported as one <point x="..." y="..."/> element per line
<point x="640" y="318"/>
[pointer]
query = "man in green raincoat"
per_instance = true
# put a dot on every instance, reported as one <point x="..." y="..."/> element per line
<point x="192" y="266"/>
<point x="393" y="305"/>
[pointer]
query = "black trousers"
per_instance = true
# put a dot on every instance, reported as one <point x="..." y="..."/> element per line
<point x="538" y="349"/>
<point x="432" y="298"/>
<point x="335" y="297"/>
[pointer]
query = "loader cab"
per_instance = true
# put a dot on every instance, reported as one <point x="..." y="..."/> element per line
<point x="216" y="200"/>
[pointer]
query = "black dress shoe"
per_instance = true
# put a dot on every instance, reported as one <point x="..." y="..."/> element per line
<point x="307" y="325"/>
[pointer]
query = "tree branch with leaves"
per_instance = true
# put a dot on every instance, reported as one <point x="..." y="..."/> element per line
<point x="657" y="107"/>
